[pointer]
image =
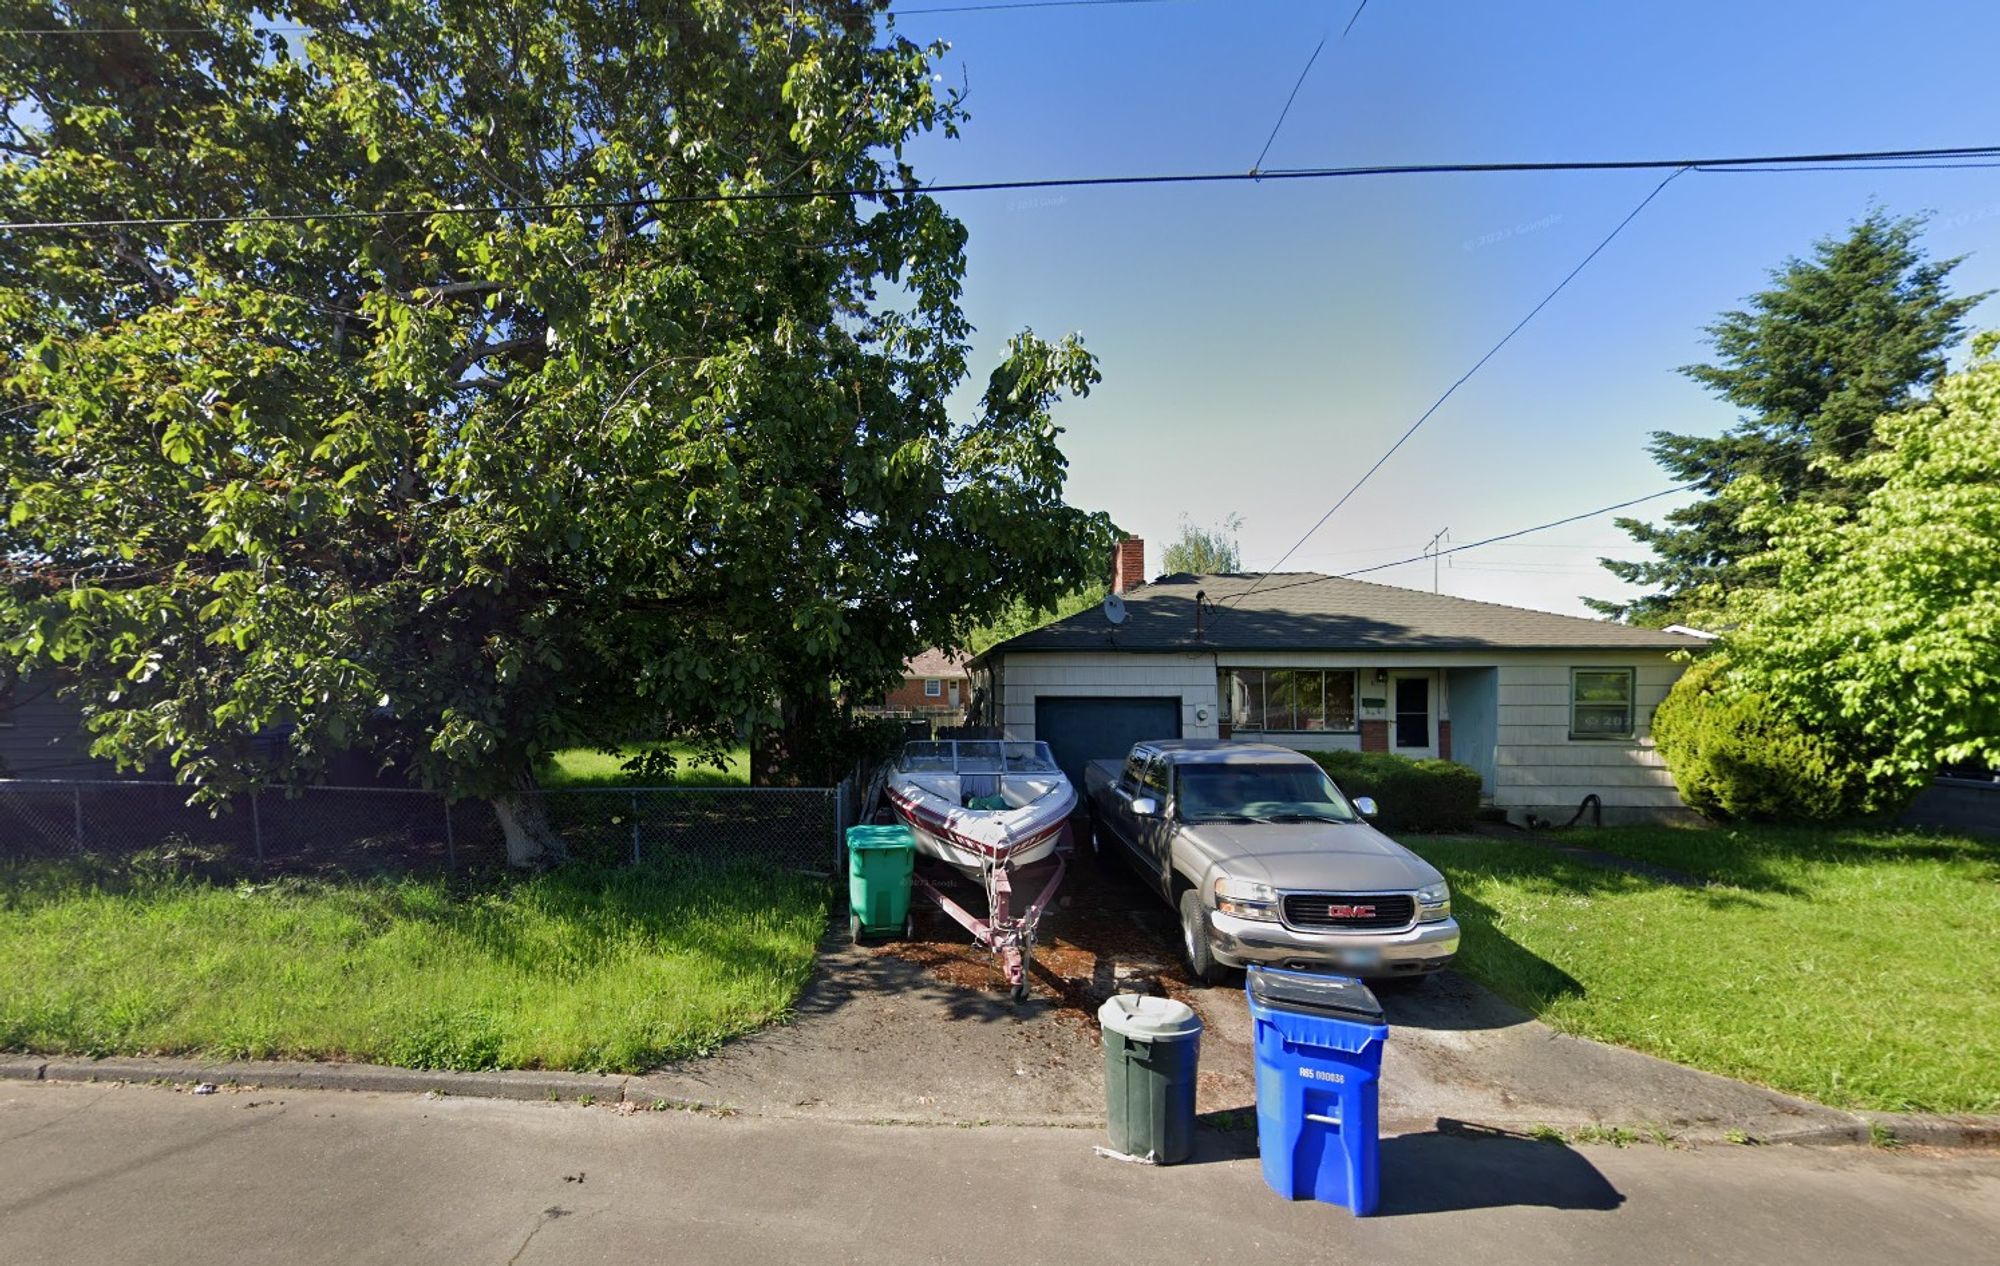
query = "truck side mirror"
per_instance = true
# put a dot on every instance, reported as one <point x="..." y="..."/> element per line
<point x="1365" y="806"/>
<point x="1145" y="807"/>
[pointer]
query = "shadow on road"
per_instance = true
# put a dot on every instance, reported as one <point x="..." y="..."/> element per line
<point x="1460" y="1166"/>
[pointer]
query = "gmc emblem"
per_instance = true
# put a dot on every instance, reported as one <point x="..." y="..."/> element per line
<point x="1350" y="912"/>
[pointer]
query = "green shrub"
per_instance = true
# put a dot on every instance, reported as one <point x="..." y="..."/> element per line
<point x="1413" y="795"/>
<point x="1733" y="756"/>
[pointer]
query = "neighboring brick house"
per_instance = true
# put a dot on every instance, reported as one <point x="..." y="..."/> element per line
<point x="932" y="682"/>
<point x="1548" y="708"/>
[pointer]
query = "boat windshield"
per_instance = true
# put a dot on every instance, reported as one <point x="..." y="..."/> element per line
<point x="1259" y="793"/>
<point x="977" y="756"/>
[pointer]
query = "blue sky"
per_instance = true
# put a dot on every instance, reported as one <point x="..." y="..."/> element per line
<point x="1261" y="344"/>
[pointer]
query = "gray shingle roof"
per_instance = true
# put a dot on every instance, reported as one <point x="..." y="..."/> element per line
<point x="1305" y="611"/>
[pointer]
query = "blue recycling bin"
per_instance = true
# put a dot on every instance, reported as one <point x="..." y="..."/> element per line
<point x="1319" y="1061"/>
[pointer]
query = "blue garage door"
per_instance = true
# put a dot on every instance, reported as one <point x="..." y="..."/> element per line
<point x="1080" y="730"/>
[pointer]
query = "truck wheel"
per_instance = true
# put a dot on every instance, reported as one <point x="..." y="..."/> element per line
<point x="1195" y="944"/>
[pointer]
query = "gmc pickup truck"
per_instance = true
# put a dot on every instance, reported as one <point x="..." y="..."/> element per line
<point x="1268" y="862"/>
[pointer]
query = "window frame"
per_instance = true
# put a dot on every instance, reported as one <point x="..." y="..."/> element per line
<point x="1631" y="730"/>
<point x="1225" y="700"/>
<point x="933" y="687"/>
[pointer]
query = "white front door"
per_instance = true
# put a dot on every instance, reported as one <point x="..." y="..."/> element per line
<point x="1413" y="715"/>
<point x="954" y="694"/>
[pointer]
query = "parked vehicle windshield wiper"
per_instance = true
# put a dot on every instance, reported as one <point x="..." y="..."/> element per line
<point x="1306" y="817"/>
<point x="1223" y="817"/>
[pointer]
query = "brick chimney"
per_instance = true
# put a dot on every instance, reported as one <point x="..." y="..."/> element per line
<point x="1128" y="565"/>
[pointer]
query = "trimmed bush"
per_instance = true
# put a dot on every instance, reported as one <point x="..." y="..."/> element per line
<point x="1413" y="795"/>
<point x="1733" y="756"/>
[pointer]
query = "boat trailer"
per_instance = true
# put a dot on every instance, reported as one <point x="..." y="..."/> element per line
<point x="1007" y="933"/>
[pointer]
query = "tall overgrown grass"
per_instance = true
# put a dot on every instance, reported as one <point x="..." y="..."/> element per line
<point x="581" y="968"/>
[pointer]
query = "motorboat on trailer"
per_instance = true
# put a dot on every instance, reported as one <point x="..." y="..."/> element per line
<point x="974" y="803"/>
<point x="995" y="811"/>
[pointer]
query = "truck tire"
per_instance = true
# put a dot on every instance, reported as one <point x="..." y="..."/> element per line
<point x="1195" y="946"/>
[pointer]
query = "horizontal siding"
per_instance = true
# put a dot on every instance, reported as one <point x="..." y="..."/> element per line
<point x="1570" y="796"/>
<point x="1111" y="676"/>
<point x="1570" y="775"/>
<point x="42" y="736"/>
<point x="1536" y="762"/>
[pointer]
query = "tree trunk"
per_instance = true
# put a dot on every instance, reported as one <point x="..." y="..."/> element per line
<point x="524" y="823"/>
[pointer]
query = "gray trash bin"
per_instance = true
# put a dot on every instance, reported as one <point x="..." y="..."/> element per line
<point x="1152" y="1050"/>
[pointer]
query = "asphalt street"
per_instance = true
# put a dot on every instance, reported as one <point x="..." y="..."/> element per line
<point x="106" y="1173"/>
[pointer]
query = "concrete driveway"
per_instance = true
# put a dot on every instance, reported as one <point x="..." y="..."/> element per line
<point x="922" y="1031"/>
<point x="100" y="1174"/>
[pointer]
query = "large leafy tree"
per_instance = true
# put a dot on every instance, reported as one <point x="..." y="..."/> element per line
<point x="484" y="380"/>
<point x="1858" y="330"/>
<point x="1878" y="624"/>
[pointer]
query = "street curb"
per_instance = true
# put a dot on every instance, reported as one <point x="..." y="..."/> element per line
<point x="1860" y="1129"/>
<point x="21" y="1069"/>
<point x="1933" y="1131"/>
<point x="275" y="1074"/>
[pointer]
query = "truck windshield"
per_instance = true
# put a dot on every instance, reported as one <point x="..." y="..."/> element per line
<point x="1260" y="793"/>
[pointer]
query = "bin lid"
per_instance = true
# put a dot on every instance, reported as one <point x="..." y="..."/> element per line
<point x="1149" y="1019"/>
<point x="865" y="837"/>
<point x="1340" y="997"/>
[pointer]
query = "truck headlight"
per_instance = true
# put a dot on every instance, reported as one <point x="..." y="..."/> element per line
<point x="1241" y="899"/>
<point x="1434" y="903"/>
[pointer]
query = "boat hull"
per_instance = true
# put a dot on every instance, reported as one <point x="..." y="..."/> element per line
<point x="974" y="840"/>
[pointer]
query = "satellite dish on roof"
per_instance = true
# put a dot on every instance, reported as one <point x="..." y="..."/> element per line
<point x="1114" y="608"/>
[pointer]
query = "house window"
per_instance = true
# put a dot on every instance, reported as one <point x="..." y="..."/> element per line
<point x="933" y="687"/>
<point x="1600" y="703"/>
<point x="1297" y="700"/>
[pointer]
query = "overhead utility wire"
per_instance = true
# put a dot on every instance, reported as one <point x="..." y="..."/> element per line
<point x="1477" y="365"/>
<point x="984" y="186"/>
<point x="1470" y="545"/>
<point x="1286" y="112"/>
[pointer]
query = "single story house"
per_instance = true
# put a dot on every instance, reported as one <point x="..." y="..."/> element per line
<point x="933" y="681"/>
<point x="1548" y="708"/>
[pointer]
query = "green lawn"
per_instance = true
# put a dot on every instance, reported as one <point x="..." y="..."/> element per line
<point x="1858" y="968"/>
<point x="583" y="767"/>
<point x="579" y="969"/>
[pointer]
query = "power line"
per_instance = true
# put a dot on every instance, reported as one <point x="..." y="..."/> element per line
<point x="986" y="186"/>
<point x="1477" y="365"/>
<point x="1286" y="112"/>
<point x="1479" y="544"/>
<point x="1527" y="531"/>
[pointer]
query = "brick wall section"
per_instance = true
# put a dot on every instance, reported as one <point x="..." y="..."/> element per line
<point x="1374" y="736"/>
<point x="1128" y="566"/>
<point x="910" y="696"/>
<point x="1444" y="740"/>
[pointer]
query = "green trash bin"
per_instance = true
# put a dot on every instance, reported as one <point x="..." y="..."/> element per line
<point x="880" y="862"/>
<point x="1152" y="1049"/>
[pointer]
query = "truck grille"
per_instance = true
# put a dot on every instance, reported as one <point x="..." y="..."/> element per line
<point x="1349" y="911"/>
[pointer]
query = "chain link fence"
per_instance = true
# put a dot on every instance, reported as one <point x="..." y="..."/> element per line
<point x="398" y="829"/>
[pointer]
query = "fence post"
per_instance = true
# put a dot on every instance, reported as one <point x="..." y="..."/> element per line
<point x="77" y="792"/>
<point x="635" y="828"/>
<point x="450" y="845"/>
<point x="256" y="827"/>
